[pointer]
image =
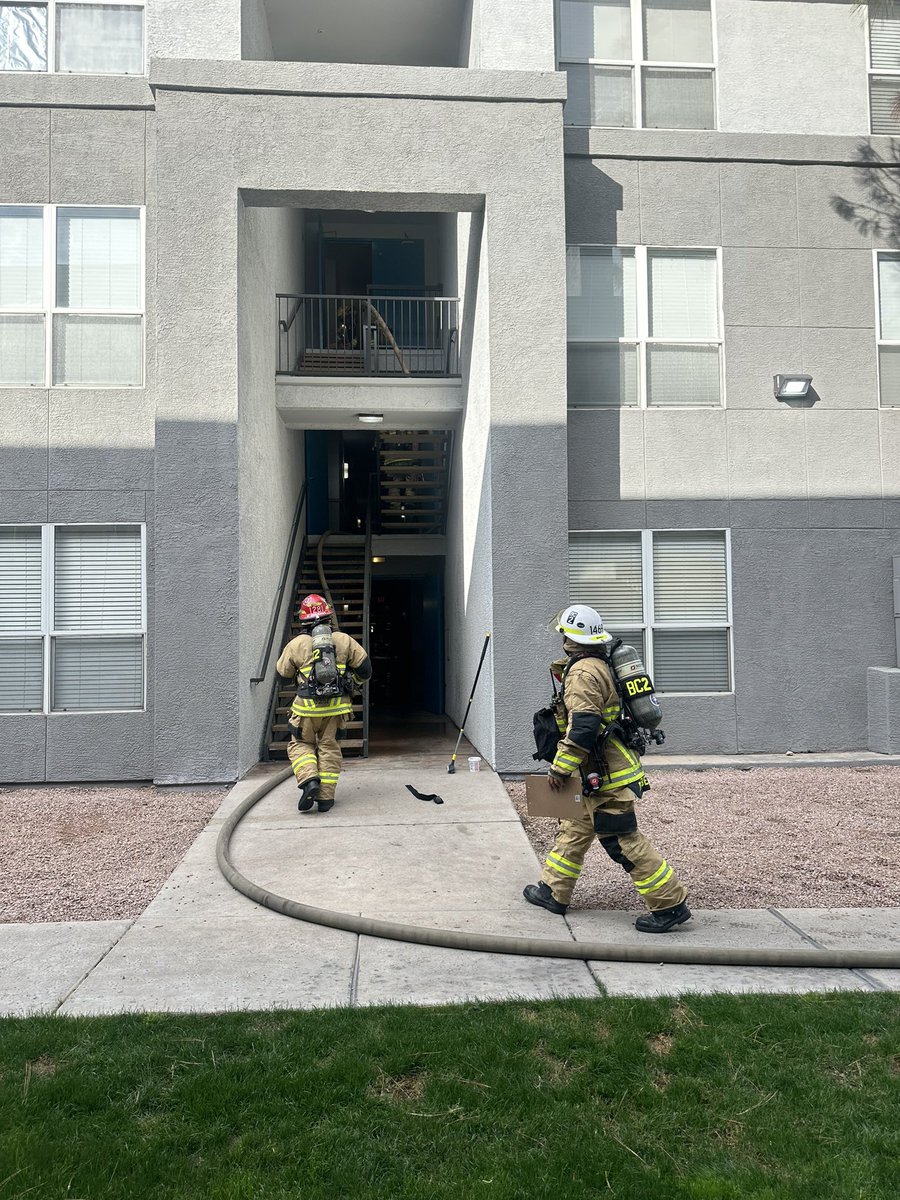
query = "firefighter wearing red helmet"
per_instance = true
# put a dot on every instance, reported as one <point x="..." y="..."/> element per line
<point x="324" y="662"/>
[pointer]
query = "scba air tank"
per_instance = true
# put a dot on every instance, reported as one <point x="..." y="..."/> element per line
<point x="637" y="688"/>
<point x="325" y="669"/>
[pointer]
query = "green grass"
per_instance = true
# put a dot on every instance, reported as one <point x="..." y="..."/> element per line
<point x="715" y="1098"/>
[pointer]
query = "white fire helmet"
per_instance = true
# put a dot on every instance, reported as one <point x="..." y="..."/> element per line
<point x="583" y="625"/>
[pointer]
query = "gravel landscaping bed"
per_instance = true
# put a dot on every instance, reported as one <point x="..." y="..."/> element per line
<point x="91" y="853"/>
<point x="811" y="837"/>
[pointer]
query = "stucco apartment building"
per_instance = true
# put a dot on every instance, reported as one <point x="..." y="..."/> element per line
<point x="253" y="252"/>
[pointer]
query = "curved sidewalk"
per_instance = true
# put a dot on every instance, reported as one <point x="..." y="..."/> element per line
<point x="201" y="946"/>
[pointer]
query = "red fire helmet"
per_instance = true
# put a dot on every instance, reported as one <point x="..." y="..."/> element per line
<point x="315" y="608"/>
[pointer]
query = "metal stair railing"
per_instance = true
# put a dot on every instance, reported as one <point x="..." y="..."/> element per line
<point x="260" y="675"/>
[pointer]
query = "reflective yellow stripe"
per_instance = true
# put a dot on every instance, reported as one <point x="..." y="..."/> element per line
<point x="335" y="707"/>
<point x="565" y="861"/>
<point x="560" y="870"/>
<point x="565" y="756"/>
<point x="304" y="759"/>
<point x="654" y="881"/>
<point x="329" y="778"/>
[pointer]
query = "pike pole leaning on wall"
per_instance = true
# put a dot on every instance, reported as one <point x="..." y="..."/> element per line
<point x="451" y="769"/>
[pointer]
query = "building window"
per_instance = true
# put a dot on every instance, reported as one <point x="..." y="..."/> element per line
<point x="71" y="297"/>
<point x="72" y="618"/>
<point x="638" y="64"/>
<point x="888" y="277"/>
<point x="884" y="67"/>
<point x="644" y="327"/>
<point x="667" y="593"/>
<point x="72" y="37"/>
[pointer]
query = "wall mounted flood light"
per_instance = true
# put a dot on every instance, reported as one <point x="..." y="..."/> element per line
<point x="792" y="387"/>
<point x="370" y="418"/>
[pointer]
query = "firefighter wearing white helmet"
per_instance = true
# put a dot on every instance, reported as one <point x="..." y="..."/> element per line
<point x="589" y="705"/>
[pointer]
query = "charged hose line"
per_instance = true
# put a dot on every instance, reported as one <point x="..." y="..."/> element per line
<point x="659" y="947"/>
<point x="323" y="582"/>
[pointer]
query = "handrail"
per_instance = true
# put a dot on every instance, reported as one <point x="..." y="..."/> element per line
<point x="282" y="584"/>
<point x="361" y="299"/>
<point x="367" y="606"/>
<point x="285" y="325"/>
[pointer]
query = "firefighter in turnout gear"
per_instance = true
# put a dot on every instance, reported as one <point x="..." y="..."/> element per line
<point x="325" y="664"/>
<point x="588" y="705"/>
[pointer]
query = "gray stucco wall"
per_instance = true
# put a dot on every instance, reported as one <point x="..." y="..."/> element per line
<point x="791" y="66"/>
<point x="306" y="147"/>
<point x="811" y="495"/>
<point x="270" y="457"/>
<point x="73" y="454"/>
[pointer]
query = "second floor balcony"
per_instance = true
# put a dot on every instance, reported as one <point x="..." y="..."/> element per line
<point x="386" y="336"/>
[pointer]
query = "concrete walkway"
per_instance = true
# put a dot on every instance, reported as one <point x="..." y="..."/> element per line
<point x="201" y="946"/>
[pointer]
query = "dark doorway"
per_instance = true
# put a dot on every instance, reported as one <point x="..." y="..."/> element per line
<point x="407" y="646"/>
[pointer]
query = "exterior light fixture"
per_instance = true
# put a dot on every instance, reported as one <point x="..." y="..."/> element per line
<point x="792" y="387"/>
<point x="378" y="558"/>
<point x="370" y="418"/>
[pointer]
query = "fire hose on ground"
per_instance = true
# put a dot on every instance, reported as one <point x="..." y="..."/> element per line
<point x="661" y="948"/>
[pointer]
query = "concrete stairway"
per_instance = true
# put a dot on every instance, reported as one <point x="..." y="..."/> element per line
<point x="413" y="482"/>
<point x="346" y="566"/>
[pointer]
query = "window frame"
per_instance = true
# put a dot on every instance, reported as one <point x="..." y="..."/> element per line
<point x="51" y="309"/>
<point x="49" y="634"/>
<point x="648" y="625"/>
<point x="52" y="67"/>
<point x="643" y="338"/>
<point x="875" y="73"/>
<point x="880" y="341"/>
<point x="639" y="64"/>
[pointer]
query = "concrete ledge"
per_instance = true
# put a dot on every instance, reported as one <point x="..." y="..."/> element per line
<point x="29" y="89"/>
<point x="345" y="79"/>
<point x="314" y="403"/>
<point x="883" y="685"/>
<point x="712" y="145"/>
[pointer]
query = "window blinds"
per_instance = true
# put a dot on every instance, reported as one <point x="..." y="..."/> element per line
<point x="601" y="285"/>
<point x="689" y="577"/>
<point x="100" y="39"/>
<point x="20" y="579"/>
<point x="691" y="660"/>
<point x="98" y="258"/>
<point x="21" y="657"/>
<point x="683" y="295"/>
<point x="677" y="31"/>
<point x="595" y="29"/>
<point x="21" y="349"/>
<point x="884" y="39"/>
<point x="21" y="257"/>
<point x="95" y="351"/>
<point x="605" y="573"/>
<point x="98" y="578"/>
<point x="97" y="673"/>
<point x="889" y="296"/>
<point x="603" y="376"/>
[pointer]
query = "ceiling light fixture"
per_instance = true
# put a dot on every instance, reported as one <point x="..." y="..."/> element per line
<point x="370" y="418"/>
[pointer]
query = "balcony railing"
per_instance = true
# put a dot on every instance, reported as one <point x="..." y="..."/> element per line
<point x="397" y="336"/>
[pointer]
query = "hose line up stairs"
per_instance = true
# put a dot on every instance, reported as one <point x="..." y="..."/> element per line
<point x="346" y="566"/>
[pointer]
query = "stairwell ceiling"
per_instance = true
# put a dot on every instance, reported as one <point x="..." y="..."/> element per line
<point x="394" y="32"/>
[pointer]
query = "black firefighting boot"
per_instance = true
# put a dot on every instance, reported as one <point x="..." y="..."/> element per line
<point x="540" y="894"/>
<point x="309" y="794"/>
<point x="326" y="805"/>
<point x="664" y="919"/>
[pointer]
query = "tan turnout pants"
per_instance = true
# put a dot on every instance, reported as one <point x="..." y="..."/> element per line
<point x="611" y="818"/>
<point x="314" y="750"/>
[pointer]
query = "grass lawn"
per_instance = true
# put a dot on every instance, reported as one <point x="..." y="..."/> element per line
<point x="715" y="1098"/>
